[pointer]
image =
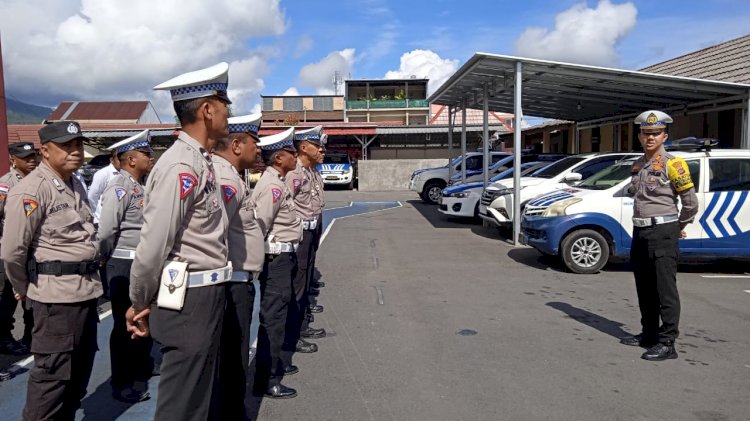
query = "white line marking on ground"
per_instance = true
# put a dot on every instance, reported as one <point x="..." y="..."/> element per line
<point x="328" y="228"/>
<point x="748" y="291"/>
<point x="727" y="276"/>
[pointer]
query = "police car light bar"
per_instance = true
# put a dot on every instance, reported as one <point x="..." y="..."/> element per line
<point x="691" y="143"/>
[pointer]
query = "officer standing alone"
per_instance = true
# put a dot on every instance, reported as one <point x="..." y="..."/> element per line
<point x="51" y="257"/>
<point x="282" y="229"/>
<point x="232" y="156"/>
<point x="120" y="224"/>
<point x="659" y="179"/>
<point x="180" y="266"/>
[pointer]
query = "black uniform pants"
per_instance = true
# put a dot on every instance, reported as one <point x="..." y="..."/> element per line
<point x="654" y="256"/>
<point x="276" y="295"/>
<point x="8" y="304"/>
<point x="235" y="350"/>
<point x="64" y="345"/>
<point x="190" y="340"/>
<point x="300" y="287"/>
<point x="130" y="358"/>
<point x="315" y="240"/>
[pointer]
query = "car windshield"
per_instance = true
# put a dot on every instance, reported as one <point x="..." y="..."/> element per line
<point x="608" y="177"/>
<point x="556" y="168"/>
<point x="525" y="168"/>
<point x="336" y="159"/>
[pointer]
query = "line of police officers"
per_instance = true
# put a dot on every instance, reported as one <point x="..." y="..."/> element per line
<point x="195" y="259"/>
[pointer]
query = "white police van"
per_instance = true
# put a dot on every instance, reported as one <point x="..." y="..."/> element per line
<point x="587" y="224"/>
<point x="430" y="182"/>
<point x="337" y="169"/>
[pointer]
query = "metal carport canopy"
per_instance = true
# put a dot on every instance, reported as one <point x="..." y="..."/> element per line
<point x="582" y="93"/>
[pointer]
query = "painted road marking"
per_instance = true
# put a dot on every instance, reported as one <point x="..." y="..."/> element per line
<point x="727" y="276"/>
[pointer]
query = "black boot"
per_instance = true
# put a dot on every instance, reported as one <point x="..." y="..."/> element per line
<point x="638" y="340"/>
<point x="305" y="347"/>
<point x="315" y="308"/>
<point x="660" y="352"/>
<point x="311" y="332"/>
<point x="280" y="391"/>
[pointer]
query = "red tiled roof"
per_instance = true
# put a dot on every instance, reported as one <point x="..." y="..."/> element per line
<point x="473" y="116"/>
<point x="116" y="110"/>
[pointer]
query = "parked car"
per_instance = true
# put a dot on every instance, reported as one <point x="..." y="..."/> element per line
<point x="95" y="164"/>
<point x="502" y="165"/>
<point x="337" y="169"/>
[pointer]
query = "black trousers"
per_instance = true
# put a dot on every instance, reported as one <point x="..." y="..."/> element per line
<point x="190" y="341"/>
<point x="64" y="345"/>
<point x="300" y="289"/>
<point x="315" y="240"/>
<point x="235" y="350"/>
<point x="8" y="304"/>
<point x="276" y="295"/>
<point x="130" y="358"/>
<point x="654" y="256"/>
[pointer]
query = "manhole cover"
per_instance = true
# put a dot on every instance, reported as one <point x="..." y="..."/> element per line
<point x="466" y="332"/>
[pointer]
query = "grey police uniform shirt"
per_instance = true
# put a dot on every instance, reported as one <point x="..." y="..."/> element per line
<point x="183" y="219"/>
<point x="246" y="249"/>
<point x="317" y="193"/>
<point x="300" y="182"/>
<point x="52" y="219"/>
<point x="274" y="207"/>
<point x="121" y="216"/>
<point x="6" y="183"/>
<point x="657" y="183"/>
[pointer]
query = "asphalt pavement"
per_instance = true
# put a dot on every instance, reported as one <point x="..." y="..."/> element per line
<point x="431" y="318"/>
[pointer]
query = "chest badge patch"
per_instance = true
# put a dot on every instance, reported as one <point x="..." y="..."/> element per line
<point x="120" y="193"/>
<point x="296" y="183"/>
<point x="187" y="184"/>
<point x="276" y="193"/>
<point x="29" y="206"/>
<point x="228" y="192"/>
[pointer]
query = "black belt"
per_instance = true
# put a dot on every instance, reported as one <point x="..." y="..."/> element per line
<point x="58" y="268"/>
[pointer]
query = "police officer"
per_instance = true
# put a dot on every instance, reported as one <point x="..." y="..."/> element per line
<point x="282" y="229"/>
<point x="659" y="179"/>
<point x="301" y="181"/>
<point x="319" y="203"/>
<point x="232" y="156"/>
<point x="181" y="258"/>
<point x="22" y="162"/>
<point x="51" y="257"/>
<point x="120" y="225"/>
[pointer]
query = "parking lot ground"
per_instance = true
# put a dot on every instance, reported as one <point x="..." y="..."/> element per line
<point x="431" y="318"/>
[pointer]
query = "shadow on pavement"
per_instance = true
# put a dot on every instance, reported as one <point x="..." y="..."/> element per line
<point x="593" y="320"/>
<point x="438" y="220"/>
<point x="100" y="405"/>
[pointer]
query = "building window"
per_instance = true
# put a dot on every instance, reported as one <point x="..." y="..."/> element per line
<point x="267" y="104"/>
<point x="293" y="104"/>
<point x="324" y="103"/>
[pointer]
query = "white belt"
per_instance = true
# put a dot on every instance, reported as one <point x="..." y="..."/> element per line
<point x="654" y="220"/>
<point x="210" y="277"/>
<point x="310" y="224"/>
<point x="278" y="248"/>
<point x="124" y="254"/>
<point x="244" y="276"/>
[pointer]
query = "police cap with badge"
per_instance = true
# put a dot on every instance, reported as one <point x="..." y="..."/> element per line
<point x="60" y="132"/>
<point x="249" y="124"/>
<point x="653" y="120"/>
<point x="21" y="149"/>
<point x="140" y="142"/>
<point x="314" y="135"/>
<point x="209" y="82"/>
<point x="269" y="145"/>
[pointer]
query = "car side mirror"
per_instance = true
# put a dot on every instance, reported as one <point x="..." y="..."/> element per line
<point x="572" y="177"/>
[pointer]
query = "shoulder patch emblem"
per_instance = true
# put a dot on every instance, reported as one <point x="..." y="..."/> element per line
<point x="187" y="183"/>
<point x="4" y="189"/>
<point x="228" y="192"/>
<point x="29" y="206"/>
<point x="296" y="183"/>
<point x="120" y="193"/>
<point x="276" y="193"/>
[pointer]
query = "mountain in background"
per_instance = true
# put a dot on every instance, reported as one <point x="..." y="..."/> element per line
<point x="22" y="113"/>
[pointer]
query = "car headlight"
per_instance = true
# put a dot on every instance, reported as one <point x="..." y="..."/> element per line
<point x="460" y="195"/>
<point x="417" y="177"/>
<point x="558" y="209"/>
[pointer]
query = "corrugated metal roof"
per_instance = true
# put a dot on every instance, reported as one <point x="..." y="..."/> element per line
<point x="437" y="129"/>
<point x="728" y="61"/>
<point x="473" y="116"/>
<point x="106" y="110"/>
<point x="580" y="93"/>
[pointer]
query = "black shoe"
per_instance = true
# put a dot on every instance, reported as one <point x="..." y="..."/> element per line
<point x="311" y="332"/>
<point x="319" y="284"/>
<point x="130" y="395"/>
<point x="280" y="392"/>
<point x="660" y="352"/>
<point x="637" y="340"/>
<point x="12" y="347"/>
<point x="5" y="375"/>
<point x="314" y="292"/>
<point x="315" y="308"/>
<point x="305" y="347"/>
<point x="291" y="369"/>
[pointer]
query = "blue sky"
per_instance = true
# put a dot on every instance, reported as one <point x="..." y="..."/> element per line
<point x="108" y="49"/>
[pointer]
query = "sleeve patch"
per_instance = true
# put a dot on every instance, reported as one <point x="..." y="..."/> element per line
<point x="29" y="206"/>
<point x="4" y="189"/>
<point x="276" y="193"/>
<point x="187" y="184"/>
<point x="679" y="174"/>
<point x="228" y="192"/>
<point x="120" y="193"/>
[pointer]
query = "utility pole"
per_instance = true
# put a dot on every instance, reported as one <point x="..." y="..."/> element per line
<point x="4" y="155"/>
<point x="336" y="82"/>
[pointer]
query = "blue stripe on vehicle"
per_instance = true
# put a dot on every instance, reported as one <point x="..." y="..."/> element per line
<point x="555" y="199"/>
<point x="709" y="209"/>
<point x="735" y="211"/>
<point x="720" y="213"/>
<point x="552" y="196"/>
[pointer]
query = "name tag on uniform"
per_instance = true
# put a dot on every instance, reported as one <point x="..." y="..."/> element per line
<point x="173" y="285"/>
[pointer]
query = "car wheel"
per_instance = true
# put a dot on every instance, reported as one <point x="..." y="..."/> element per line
<point x="432" y="192"/>
<point x="584" y="251"/>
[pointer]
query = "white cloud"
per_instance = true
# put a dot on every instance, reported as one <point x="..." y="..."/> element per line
<point x="424" y="64"/>
<point x="292" y="91"/>
<point x="581" y="34"/>
<point x="107" y="49"/>
<point x="304" y="44"/>
<point x="320" y="75"/>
